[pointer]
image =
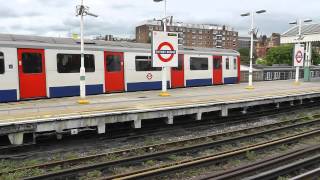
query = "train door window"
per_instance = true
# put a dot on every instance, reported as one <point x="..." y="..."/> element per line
<point x="71" y="63"/>
<point x="180" y="62"/>
<point x="1" y="63"/>
<point x="217" y="63"/>
<point x="234" y="63"/>
<point x="144" y="63"/>
<point x="199" y="63"/>
<point x="113" y="63"/>
<point x="31" y="63"/>
<point x="227" y="63"/>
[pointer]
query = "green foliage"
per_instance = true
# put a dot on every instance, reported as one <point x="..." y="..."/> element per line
<point x="284" y="55"/>
<point x="315" y="57"/>
<point x="245" y="55"/>
<point x="261" y="61"/>
<point x="280" y="55"/>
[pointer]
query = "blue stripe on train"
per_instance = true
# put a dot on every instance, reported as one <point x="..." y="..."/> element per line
<point x="8" y="95"/>
<point x="231" y="80"/>
<point x="74" y="90"/>
<point x="144" y="86"/>
<point x="199" y="82"/>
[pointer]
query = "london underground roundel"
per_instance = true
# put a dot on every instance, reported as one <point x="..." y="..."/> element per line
<point x="298" y="57"/>
<point x="164" y="49"/>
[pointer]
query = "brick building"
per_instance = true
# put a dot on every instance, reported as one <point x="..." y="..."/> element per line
<point x="196" y="35"/>
<point x="265" y="43"/>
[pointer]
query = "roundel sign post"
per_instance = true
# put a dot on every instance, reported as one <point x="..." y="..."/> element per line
<point x="298" y="56"/>
<point x="164" y="54"/>
<point x="164" y="49"/>
<point x="298" y="60"/>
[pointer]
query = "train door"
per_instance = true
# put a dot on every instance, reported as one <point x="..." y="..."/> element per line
<point x="217" y="70"/>
<point x="114" y="71"/>
<point x="32" y="75"/>
<point x="177" y="73"/>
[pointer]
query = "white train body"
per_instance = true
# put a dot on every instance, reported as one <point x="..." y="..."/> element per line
<point x="42" y="67"/>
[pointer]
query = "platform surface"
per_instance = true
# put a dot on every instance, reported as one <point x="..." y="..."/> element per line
<point x="24" y="111"/>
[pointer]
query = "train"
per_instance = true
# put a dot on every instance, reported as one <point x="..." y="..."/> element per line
<point x="276" y="72"/>
<point x="33" y="67"/>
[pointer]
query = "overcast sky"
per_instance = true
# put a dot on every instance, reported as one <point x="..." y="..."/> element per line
<point x="119" y="17"/>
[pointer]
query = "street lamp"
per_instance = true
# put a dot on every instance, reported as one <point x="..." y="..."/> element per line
<point x="250" y="86"/>
<point x="300" y="37"/>
<point x="83" y="11"/>
<point x="164" y="69"/>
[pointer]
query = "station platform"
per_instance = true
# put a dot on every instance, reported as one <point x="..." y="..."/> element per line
<point x="65" y="114"/>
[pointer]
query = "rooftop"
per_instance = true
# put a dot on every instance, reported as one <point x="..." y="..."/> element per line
<point x="310" y="33"/>
<point x="189" y="25"/>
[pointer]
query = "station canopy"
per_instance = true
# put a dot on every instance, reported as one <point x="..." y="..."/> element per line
<point x="310" y="33"/>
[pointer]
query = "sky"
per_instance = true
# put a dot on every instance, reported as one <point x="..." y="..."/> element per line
<point x="120" y="17"/>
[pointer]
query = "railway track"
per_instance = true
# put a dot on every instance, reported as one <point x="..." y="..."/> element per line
<point x="185" y="165"/>
<point x="201" y="143"/>
<point x="274" y="167"/>
<point x="313" y="174"/>
<point x="123" y="134"/>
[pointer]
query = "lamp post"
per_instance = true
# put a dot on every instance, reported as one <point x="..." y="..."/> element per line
<point x="307" y="64"/>
<point x="164" y="69"/>
<point x="83" y="11"/>
<point x="250" y="85"/>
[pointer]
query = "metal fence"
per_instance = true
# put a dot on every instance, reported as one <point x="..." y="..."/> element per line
<point x="273" y="74"/>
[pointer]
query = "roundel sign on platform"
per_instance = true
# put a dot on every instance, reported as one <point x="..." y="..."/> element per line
<point x="164" y="49"/>
<point x="298" y="56"/>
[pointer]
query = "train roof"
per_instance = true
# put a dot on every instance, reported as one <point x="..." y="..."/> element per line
<point x="26" y="41"/>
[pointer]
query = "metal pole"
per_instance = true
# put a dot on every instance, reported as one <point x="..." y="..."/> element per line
<point x="299" y="39"/>
<point x="164" y="69"/>
<point x="82" y="68"/>
<point x="250" y="86"/>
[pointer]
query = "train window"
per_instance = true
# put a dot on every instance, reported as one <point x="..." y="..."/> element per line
<point x="217" y="63"/>
<point x="144" y="63"/>
<point x="227" y="63"/>
<point x="71" y="63"/>
<point x="1" y="63"/>
<point x="199" y="63"/>
<point x="234" y="63"/>
<point x="31" y="63"/>
<point x="113" y="63"/>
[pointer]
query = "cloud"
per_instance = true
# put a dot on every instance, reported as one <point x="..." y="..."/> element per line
<point x="119" y="17"/>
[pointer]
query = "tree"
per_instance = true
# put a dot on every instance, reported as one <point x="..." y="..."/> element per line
<point x="315" y="57"/>
<point x="280" y="55"/>
<point x="284" y="55"/>
<point x="245" y="55"/>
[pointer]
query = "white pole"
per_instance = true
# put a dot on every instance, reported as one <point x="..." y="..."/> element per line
<point x="299" y="38"/>
<point x="82" y="68"/>
<point x="250" y="86"/>
<point x="297" y="75"/>
<point x="164" y="69"/>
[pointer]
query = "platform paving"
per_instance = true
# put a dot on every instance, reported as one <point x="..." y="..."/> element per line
<point x="65" y="113"/>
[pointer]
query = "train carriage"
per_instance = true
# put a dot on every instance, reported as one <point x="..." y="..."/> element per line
<point x="34" y="67"/>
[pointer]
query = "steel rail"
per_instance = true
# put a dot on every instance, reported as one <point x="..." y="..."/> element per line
<point x="73" y="171"/>
<point x="179" y="166"/>
<point x="264" y="165"/>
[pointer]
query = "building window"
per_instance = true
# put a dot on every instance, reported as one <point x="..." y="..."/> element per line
<point x="71" y="63"/>
<point x="1" y="63"/>
<point x="31" y="63"/>
<point x="235" y="63"/>
<point x="144" y="63"/>
<point x="227" y="63"/>
<point x="198" y="63"/>
<point x="113" y="63"/>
